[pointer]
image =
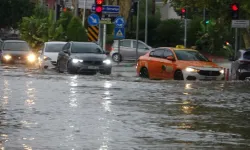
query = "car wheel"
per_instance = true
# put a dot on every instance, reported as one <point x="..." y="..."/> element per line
<point x="178" y="75"/>
<point x="106" y="72"/>
<point x="144" y="72"/>
<point x="59" y="67"/>
<point x="70" y="70"/>
<point x="117" y="57"/>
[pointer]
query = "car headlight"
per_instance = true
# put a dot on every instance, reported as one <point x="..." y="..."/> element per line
<point x="7" y="57"/>
<point x="31" y="57"/>
<point x="191" y="69"/>
<point x="222" y="71"/>
<point x="76" y="60"/>
<point x="107" y="62"/>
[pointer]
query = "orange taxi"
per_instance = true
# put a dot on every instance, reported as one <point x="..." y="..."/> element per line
<point x="177" y="64"/>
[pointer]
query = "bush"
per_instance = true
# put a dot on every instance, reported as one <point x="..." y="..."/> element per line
<point x="75" y="30"/>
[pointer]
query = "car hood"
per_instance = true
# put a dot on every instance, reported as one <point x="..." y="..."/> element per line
<point x="16" y="52"/>
<point x="89" y="57"/>
<point x="200" y="64"/>
<point x="52" y="55"/>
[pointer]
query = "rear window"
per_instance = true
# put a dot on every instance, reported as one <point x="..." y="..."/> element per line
<point x="55" y="47"/>
<point x="16" y="46"/>
<point x="246" y="55"/>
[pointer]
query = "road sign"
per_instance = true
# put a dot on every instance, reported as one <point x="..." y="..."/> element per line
<point x="105" y="21"/>
<point x="119" y="33"/>
<point x="93" y="32"/>
<point x="93" y="20"/>
<point x="86" y="4"/>
<point x="108" y="9"/>
<point x="240" y="23"/>
<point x="119" y="22"/>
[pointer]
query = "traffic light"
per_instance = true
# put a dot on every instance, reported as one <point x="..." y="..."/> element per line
<point x="99" y="7"/>
<point x="235" y="10"/>
<point x="183" y="13"/>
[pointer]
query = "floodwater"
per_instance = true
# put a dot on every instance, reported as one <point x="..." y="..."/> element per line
<point x="43" y="111"/>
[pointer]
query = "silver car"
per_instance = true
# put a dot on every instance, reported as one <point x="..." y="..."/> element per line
<point x="240" y="67"/>
<point x="128" y="50"/>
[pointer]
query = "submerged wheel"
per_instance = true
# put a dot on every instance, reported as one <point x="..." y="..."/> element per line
<point x="144" y="72"/>
<point x="116" y="57"/>
<point x="178" y="75"/>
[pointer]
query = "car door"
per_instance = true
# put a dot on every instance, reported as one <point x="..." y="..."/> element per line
<point x="168" y="66"/>
<point x="142" y="48"/>
<point x="155" y="63"/>
<point x="62" y="56"/>
<point x="126" y="49"/>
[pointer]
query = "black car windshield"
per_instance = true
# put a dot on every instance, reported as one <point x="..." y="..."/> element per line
<point x="86" y="48"/>
<point x="54" y="47"/>
<point x="16" y="46"/>
<point x="189" y="55"/>
<point x="246" y="55"/>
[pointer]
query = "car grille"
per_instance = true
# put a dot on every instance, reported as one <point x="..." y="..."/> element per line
<point x="92" y="62"/>
<point x="209" y="73"/>
<point x="245" y="66"/>
<point x="18" y="57"/>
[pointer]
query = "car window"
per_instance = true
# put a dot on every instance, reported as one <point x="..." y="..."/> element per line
<point x="140" y="45"/>
<point x="189" y="55"/>
<point x="86" y="48"/>
<point x="54" y="47"/>
<point x="125" y="43"/>
<point x="157" y="53"/>
<point x="246" y="55"/>
<point x="167" y="53"/>
<point x="66" y="46"/>
<point x="16" y="46"/>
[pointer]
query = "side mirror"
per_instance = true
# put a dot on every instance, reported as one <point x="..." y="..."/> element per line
<point x="66" y="51"/>
<point x="171" y="58"/>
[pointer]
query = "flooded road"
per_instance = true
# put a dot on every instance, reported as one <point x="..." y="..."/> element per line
<point x="41" y="111"/>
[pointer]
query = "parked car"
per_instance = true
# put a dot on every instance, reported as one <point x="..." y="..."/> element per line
<point x="49" y="53"/>
<point x="128" y="50"/>
<point x="177" y="64"/>
<point x="240" y="66"/>
<point x="83" y="57"/>
<point x="17" y="51"/>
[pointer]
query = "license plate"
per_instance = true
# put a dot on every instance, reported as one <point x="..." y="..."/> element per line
<point x="210" y="78"/>
<point x="93" y="67"/>
<point x="19" y="61"/>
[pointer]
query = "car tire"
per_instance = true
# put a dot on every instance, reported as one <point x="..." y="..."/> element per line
<point x="59" y="67"/>
<point x="106" y="72"/>
<point x="70" y="70"/>
<point x="116" y="57"/>
<point x="144" y="72"/>
<point x="178" y="75"/>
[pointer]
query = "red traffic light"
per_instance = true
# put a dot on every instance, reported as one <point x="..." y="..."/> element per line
<point x="234" y="7"/>
<point x="99" y="2"/>
<point x="98" y="9"/>
<point x="183" y="10"/>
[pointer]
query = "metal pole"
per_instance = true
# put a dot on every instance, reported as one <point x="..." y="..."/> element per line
<point x="204" y="13"/>
<point x="76" y="8"/>
<point x="137" y="29"/>
<point x="185" y="33"/>
<point x="119" y="51"/>
<point x="236" y="42"/>
<point x="104" y="36"/>
<point x="146" y="23"/>
<point x="55" y="10"/>
<point x="84" y="12"/>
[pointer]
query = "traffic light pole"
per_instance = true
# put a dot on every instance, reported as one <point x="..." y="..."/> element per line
<point x="146" y="23"/>
<point x="236" y="42"/>
<point x="185" y="32"/>
<point x="137" y="29"/>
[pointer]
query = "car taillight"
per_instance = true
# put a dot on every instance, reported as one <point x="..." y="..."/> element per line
<point x="244" y="62"/>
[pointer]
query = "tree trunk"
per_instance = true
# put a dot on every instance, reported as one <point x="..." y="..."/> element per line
<point x="124" y="7"/>
<point x="246" y="39"/>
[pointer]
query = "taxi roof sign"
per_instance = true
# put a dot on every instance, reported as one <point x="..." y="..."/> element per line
<point x="179" y="46"/>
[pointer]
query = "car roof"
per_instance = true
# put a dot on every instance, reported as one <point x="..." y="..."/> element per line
<point x="173" y="48"/>
<point x="6" y="41"/>
<point x="54" y="42"/>
<point x="84" y="42"/>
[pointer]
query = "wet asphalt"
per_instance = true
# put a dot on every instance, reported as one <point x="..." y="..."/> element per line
<point x="43" y="110"/>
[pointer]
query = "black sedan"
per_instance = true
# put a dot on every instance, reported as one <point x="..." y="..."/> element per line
<point x="16" y="51"/>
<point x="83" y="57"/>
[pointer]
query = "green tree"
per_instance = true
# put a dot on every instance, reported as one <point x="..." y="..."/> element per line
<point x="75" y="30"/>
<point x="12" y="11"/>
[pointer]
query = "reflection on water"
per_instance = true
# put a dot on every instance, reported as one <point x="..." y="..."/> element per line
<point x="73" y="91"/>
<point x="30" y="94"/>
